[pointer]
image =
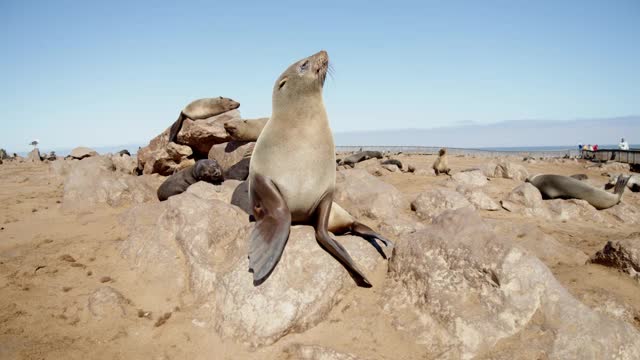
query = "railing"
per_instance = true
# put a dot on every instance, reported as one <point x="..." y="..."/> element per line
<point x="624" y="156"/>
<point x="429" y="150"/>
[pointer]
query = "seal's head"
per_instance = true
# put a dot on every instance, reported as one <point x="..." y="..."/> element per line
<point x="208" y="170"/>
<point x="442" y="152"/>
<point x="304" y="77"/>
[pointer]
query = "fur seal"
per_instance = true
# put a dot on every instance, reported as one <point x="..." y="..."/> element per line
<point x="565" y="187"/>
<point x="292" y="173"/>
<point x="441" y="165"/>
<point x="352" y="160"/>
<point x="201" y="109"/>
<point x="245" y="129"/>
<point x="633" y="184"/>
<point x="204" y="170"/>
<point x="392" y="162"/>
<point x="123" y="152"/>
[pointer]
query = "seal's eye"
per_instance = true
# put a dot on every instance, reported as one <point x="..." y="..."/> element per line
<point x="304" y="65"/>
<point x="282" y="82"/>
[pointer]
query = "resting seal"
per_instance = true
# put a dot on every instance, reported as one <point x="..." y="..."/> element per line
<point x="633" y="184"/>
<point x="292" y="173"/>
<point x="201" y="109"/>
<point x="441" y="165"/>
<point x="352" y="160"/>
<point x="204" y="170"/>
<point x="245" y="130"/>
<point x="565" y="187"/>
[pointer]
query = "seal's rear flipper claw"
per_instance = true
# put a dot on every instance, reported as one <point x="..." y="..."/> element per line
<point x="371" y="236"/>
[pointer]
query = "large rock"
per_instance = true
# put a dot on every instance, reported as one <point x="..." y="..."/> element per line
<point x="197" y="247"/>
<point x="124" y="164"/>
<point x="201" y="135"/>
<point x="525" y="199"/>
<point x="167" y="160"/>
<point x="146" y="156"/>
<point x="94" y="181"/>
<point x="543" y="246"/>
<point x="363" y="195"/>
<point x="460" y="289"/>
<point x="507" y="170"/>
<point x="623" y="255"/>
<point x="624" y="213"/>
<point x="432" y="203"/>
<point x="573" y="209"/>
<point x="314" y="352"/>
<point x="305" y="285"/>
<point x="478" y="198"/>
<point x="470" y="178"/>
<point x="82" y="152"/>
<point x="34" y="156"/>
<point x="232" y="155"/>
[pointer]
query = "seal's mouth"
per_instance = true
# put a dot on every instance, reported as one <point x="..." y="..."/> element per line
<point x="321" y="66"/>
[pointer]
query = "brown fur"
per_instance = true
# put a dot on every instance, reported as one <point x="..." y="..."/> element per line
<point x="441" y="165"/>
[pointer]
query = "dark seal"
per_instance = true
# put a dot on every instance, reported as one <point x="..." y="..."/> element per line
<point x="204" y="170"/>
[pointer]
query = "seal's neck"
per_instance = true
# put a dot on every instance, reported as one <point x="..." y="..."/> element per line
<point x="305" y="111"/>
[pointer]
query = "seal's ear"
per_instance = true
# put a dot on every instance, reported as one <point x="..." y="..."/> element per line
<point x="282" y="82"/>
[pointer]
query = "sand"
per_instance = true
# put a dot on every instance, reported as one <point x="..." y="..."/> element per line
<point x="51" y="262"/>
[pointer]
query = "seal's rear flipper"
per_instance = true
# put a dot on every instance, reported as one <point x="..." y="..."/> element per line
<point x="273" y="223"/>
<point x="175" y="128"/>
<point x="333" y="247"/>
<point x="371" y="236"/>
<point x="621" y="184"/>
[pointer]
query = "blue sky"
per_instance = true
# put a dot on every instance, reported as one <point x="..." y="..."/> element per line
<point x="112" y="72"/>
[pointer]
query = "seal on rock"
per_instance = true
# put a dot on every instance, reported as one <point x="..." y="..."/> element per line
<point x="245" y="129"/>
<point x="201" y="109"/>
<point x="292" y="173"/>
<point x="441" y="165"/>
<point x="392" y="162"/>
<point x="204" y="170"/>
<point x="566" y="187"/>
<point x="352" y="160"/>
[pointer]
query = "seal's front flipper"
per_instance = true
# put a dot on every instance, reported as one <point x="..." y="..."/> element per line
<point x="371" y="236"/>
<point x="273" y="223"/>
<point x="332" y="246"/>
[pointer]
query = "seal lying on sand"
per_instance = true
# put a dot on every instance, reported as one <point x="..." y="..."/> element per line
<point x="565" y="187"/>
<point x="201" y="109"/>
<point x="352" y="160"/>
<point x="392" y="162"/>
<point x="203" y="170"/>
<point x="441" y="165"/>
<point x="292" y="173"/>
<point x="245" y="129"/>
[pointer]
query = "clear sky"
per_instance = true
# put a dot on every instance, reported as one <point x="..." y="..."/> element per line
<point x="118" y="72"/>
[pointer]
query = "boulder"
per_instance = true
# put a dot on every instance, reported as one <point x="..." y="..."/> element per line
<point x="201" y="135"/>
<point x="525" y="199"/>
<point x="94" y="181"/>
<point x="507" y="170"/>
<point x="478" y="198"/>
<point x="34" y="156"/>
<point x="470" y="178"/>
<point x="305" y="285"/>
<point x="124" y="164"/>
<point x="460" y="289"/>
<point x="623" y="255"/>
<point x="231" y="156"/>
<point x="363" y="195"/>
<point x="573" y="209"/>
<point x="106" y="302"/>
<point x="432" y="203"/>
<point x="146" y="154"/>
<point x="391" y="167"/>
<point x="82" y="152"/>
<point x="624" y="213"/>
<point x="314" y="352"/>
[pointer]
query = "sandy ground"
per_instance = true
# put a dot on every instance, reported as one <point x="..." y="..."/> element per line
<point x="44" y="295"/>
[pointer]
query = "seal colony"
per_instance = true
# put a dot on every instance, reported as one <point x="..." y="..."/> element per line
<point x="566" y="187"/>
<point x="292" y="174"/>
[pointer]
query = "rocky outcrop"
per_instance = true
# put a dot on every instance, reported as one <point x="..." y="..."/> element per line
<point x="525" y="199"/>
<point x="478" y="198"/>
<point x="201" y="135"/>
<point x="623" y="255"/>
<point x="82" y="152"/>
<point x="233" y="157"/>
<point x="34" y="156"/>
<point x="459" y="288"/>
<point x="470" y="178"/>
<point x="507" y="170"/>
<point x="94" y="181"/>
<point x="432" y="203"/>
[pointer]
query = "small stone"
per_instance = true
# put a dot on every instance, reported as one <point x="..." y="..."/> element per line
<point x="163" y="319"/>
<point x="67" y="288"/>
<point x="105" y="279"/>
<point x="67" y="258"/>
